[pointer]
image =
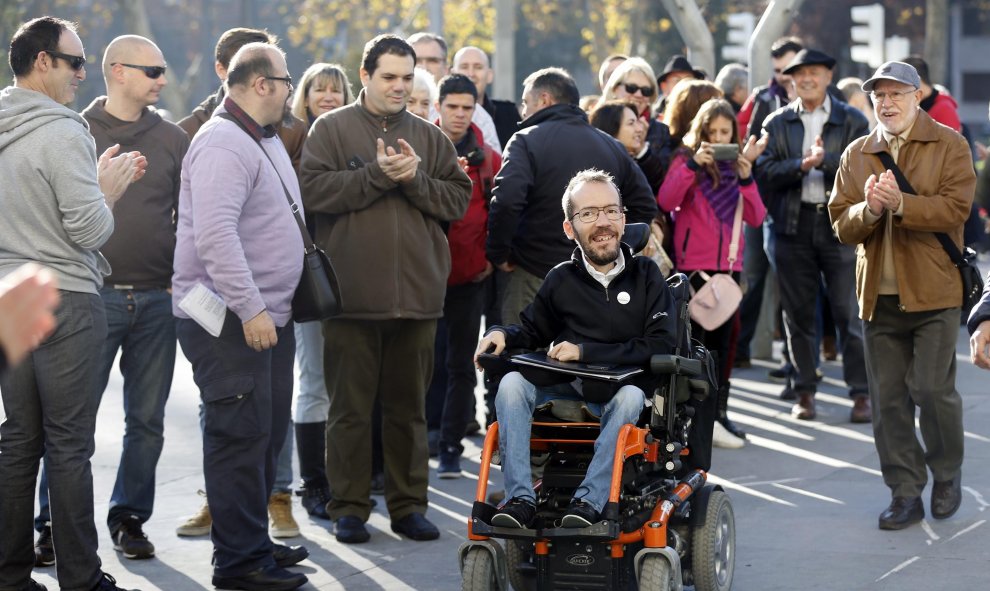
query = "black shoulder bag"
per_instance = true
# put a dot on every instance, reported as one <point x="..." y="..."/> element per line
<point x="965" y="261"/>
<point x="317" y="296"/>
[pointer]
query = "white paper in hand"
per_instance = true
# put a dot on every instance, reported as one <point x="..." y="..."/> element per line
<point x="206" y="308"/>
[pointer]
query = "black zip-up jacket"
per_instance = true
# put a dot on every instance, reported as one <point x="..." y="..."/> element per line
<point x="778" y="170"/>
<point x="624" y="324"/>
<point x="524" y="222"/>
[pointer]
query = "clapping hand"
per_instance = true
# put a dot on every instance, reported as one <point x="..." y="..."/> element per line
<point x="399" y="166"/>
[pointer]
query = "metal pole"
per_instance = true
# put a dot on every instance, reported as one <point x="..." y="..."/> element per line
<point x="773" y="23"/>
<point x="436" y="16"/>
<point x="504" y="86"/>
<point x="694" y="31"/>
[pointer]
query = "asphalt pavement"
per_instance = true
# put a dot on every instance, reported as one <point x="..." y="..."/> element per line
<point x="806" y="497"/>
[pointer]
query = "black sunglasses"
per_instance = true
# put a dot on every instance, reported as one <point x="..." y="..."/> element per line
<point x="76" y="62"/>
<point x="632" y="88"/>
<point x="153" y="72"/>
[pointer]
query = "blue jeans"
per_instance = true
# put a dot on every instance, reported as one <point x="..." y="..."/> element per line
<point x="139" y="324"/>
<point x="50" y="401"/>
<point x="515" y="403"/>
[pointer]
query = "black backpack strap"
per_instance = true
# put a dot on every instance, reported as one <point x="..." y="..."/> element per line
<point x="905" y="186"/>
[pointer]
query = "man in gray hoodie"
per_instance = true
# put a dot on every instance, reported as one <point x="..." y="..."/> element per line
<point x="57" y="200"/>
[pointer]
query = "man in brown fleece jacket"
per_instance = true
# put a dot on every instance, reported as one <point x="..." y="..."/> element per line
<point x="380" y="182"/>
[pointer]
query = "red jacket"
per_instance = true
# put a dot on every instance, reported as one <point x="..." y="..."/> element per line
<point x="466" y="236"/>
<point x="945" y="111"/>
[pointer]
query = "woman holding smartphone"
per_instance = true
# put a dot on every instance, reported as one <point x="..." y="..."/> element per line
<point x="707" y="178"/>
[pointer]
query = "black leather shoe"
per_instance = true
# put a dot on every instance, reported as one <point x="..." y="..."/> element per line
<point x="269" y="578"/>
<point x="416" y="527"/>
<point x="351" y="530"/>
<point x="34" y="586"/>
<point x="580" y="514"/>
<point x="902" y="512"/>
<point x="946" y="498"/>
<point x="286" y="556"/>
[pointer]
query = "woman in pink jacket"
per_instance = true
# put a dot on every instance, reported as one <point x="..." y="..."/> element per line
<point x="702" y="193"/>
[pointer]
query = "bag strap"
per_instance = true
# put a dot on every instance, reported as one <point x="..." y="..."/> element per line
<point x="905" y="186"/>
<point x="736" y="230"/>
<point x="307" y="240"/>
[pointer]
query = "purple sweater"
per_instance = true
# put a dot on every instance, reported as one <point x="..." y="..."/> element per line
<point x="236" y="233"/>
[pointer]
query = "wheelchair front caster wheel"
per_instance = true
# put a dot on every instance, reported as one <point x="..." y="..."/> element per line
<point x="478" y="573"/>
<point x="655" y="574"/>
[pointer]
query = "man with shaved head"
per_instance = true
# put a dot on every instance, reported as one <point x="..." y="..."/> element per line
<point x="135" y="294"/>
<point x="473" y="62"/>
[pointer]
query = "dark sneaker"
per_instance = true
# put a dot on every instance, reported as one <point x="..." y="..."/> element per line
<point x="108" y="583"/>
<point x="44" y="552"/>
<point x="286" y="556"/>
<point x="34" y="586"/>
<point x="450" y="465"/>
<point x="415" y="526"/>
<point x="314" y="501"/>
<point x="518" y="513"/>
<point x="580" y="514"/>
<point x="130" y="540"/>
<point x="350" y="530"/>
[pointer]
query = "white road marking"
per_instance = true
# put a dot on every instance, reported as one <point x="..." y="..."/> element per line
<point x="808" y="493"/>
<point x="899" y="567"/>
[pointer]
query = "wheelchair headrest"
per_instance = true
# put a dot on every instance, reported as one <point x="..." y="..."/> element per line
<point x="636" y="236"/>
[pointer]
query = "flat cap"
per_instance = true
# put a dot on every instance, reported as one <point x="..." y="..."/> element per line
<point x="896" y="71"/>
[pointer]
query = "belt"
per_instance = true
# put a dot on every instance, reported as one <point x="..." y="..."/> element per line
<point x="816" y="207"/>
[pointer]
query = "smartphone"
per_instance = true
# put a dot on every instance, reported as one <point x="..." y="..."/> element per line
<point x="725" y="152"/>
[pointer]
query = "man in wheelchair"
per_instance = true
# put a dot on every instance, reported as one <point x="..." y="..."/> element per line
<point x="603" y="306"/>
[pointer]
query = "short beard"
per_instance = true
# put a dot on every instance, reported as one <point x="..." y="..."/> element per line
<point x="600" y="258"/>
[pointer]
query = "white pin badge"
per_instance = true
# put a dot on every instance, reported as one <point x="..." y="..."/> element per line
<point x="623" y="297"/>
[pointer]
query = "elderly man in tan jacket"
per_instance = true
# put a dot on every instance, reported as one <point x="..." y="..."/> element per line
<point x="909" y="291"/>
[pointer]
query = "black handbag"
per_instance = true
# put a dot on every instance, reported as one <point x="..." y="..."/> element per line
<point x="317" y="296"/>
<point x="965" y="261"/>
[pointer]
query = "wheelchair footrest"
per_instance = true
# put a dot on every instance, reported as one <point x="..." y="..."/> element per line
<point x="604" y="530"/>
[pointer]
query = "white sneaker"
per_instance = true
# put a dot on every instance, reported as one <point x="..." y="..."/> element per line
<point x="722" y="438"/>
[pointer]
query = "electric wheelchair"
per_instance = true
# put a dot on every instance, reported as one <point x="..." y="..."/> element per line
<point x="662" y="529"/>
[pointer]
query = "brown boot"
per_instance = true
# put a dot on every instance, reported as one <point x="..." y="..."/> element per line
<point x="861" y="411"/>
<point x="804" y="410"/>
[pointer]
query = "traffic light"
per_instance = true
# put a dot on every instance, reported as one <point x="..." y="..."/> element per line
<point x="736" y="48"/>
<point x="869" y="36"/>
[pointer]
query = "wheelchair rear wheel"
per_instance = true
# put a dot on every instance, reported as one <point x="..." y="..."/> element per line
<point x="655" y="574"/>
<point x="713" y="545"/>
<point x="478" y="573"/>
<point x="522" y="571"/>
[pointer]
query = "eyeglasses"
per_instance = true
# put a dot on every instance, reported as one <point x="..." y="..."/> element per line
<point x="153" y="72"/>
<point x="647" y="91"/>
<point x="895" y="96"/>
<point x="590" y="215"/>
<point x="287" y="79"/>
<point x="76" y="62"/>
<point x="429" y="60"/>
